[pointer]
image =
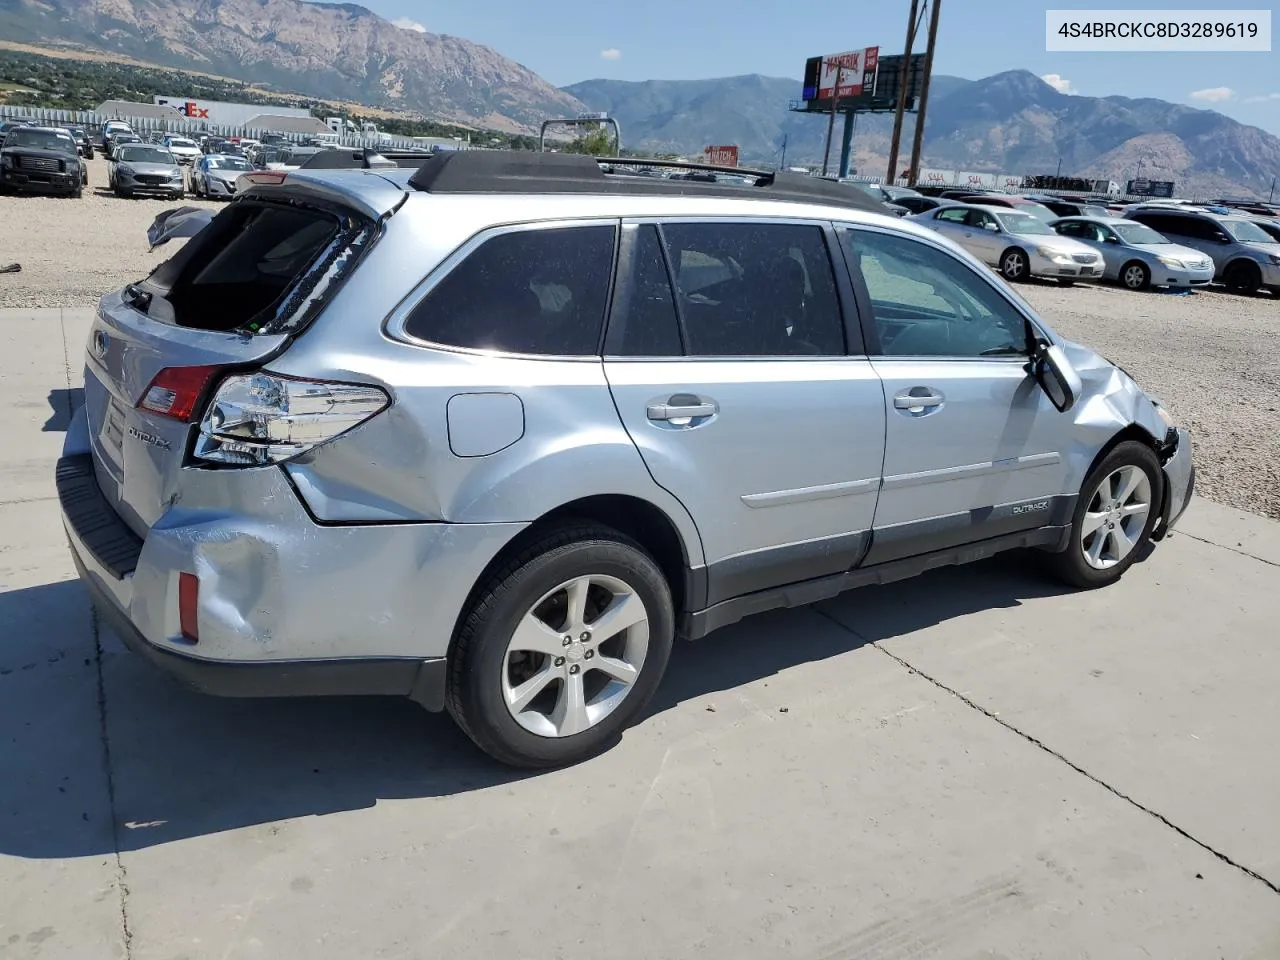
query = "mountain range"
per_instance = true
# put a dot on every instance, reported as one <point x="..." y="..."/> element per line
<point x="1012" y="122"/>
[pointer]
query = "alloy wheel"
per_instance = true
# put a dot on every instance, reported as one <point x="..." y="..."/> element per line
<point x="1116" y="516"/>
<point x="575" y="656"/>
<point x="1014" y="265"/>
<point x="1135" y="277"/>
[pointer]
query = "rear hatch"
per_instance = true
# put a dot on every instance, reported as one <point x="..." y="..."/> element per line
<point x="231" y="298"/>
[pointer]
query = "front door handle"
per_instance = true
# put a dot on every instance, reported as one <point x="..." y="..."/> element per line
<point x="679" y="411"/>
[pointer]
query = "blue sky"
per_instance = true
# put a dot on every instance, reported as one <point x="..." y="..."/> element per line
<point x="570" y="40"/>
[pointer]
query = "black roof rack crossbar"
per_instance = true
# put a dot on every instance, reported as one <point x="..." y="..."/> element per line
<point x="505" y="171"/>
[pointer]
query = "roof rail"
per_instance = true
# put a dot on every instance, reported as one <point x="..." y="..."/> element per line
<point x="363" y="159"/>
<point x="505" y="171"/>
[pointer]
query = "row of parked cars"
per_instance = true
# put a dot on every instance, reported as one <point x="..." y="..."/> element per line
<point x="1070" y="239"/>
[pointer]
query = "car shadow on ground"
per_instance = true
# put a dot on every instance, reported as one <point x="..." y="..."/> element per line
<point x="185" y="765"/>
<point x="63" y="403"/>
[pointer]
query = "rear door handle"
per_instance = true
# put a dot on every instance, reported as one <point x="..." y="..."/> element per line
<point x="678" y="411"/>
<point x="911" y="403"/>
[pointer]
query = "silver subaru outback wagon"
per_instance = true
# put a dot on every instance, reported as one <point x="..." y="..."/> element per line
<point x="490" y="430"/>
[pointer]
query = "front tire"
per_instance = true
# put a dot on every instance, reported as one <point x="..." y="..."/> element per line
<point x="1112" y="523"/>
<point x="1014" y="265"/>
<point x="1134" y="275"/>
<point x="1243" y="276"/>
<point x="562" y="648"/>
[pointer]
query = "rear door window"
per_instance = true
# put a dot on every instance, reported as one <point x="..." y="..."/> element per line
<point x="755" y="289"/>
<point x="540" y="291"/>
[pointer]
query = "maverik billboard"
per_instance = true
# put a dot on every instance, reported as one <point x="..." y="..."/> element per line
<point x="855" y="70"/>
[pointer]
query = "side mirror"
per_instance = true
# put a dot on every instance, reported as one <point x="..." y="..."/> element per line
<point x="1054" y="373"/>
<point x="1113" y="239"/>
<point x="994" y="228"/>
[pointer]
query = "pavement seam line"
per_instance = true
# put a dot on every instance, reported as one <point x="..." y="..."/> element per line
<point x="122" y="876"/>
<point x="1039" y="744"/>
<point x="1243" y="553"/>
<point x="14" y="503"/>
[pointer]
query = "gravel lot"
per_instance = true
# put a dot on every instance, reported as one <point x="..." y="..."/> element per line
<point x="1207" y="355"/>
<point x="74" y="251"/>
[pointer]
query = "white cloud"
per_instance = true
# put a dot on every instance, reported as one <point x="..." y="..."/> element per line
<point x="1265" y="98"/>
<point x="1058" y="82"/>
<point x="611" y="53"/>
<point x="404" y="23"/>
<point x="1213" y="94"/>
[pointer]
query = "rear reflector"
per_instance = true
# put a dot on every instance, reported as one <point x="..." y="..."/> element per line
<point x="175" y="391"/>
<point x="188" y="600"/>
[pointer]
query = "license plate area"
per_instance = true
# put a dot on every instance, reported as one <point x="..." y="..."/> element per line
<point x="112" y="433"/>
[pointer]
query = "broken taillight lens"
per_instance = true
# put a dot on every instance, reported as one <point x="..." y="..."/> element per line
<point x="263" y="418"/>
<point x="175" y="391"/>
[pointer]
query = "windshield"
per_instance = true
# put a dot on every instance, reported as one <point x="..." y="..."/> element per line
<point x="1247" y="232"/>
<point x="145" y="155"/>
<point x="40" y="139"/>
<point x="228" y="163"/>
<point x="1138" y="233"/>
<point x="1023" y="223"/>
<point x="179" y="142"/>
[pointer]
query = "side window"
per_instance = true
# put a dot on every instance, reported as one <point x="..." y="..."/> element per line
<point x="540" y="291"/>
<point x="926" y="303"/>
<point x="643" y="322"/>
<point x="953" y="214"/>
<point x="981" y="220"/>
<point x="1163" y="223"/>
<point x="1074" y="229"/>
<point x="755" y="289"/>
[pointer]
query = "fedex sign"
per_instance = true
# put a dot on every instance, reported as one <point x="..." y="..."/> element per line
<point x="188" y="108"/>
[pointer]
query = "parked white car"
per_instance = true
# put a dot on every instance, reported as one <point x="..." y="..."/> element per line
<point x="1018" y="244"/>
<point x="184" y="149"/>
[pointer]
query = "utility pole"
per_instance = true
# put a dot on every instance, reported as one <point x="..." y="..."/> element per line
<point x="903" y="75"/>
<point x="831" y="120"/>
<point x="1271" y="196"/>
<point x="783" y="165"/>
<point x="917" y="141"/>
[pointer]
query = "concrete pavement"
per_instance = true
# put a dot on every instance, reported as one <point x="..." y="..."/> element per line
<point x="972" y="764"/>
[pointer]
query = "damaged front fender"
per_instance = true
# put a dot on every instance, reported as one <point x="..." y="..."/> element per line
<point x="1112" y="403"/>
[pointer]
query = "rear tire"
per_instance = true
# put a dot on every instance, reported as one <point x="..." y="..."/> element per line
<point x="530" y="681"/>
<point x="1118" y="506"/>
<point x="1014" y="265"/>
<point x="1243" y="276"/>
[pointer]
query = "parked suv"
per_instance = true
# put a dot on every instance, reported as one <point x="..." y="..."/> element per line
<point x="41" y="160"/>
<point x="1245" y="257"/>
<point x="491" y="431"/>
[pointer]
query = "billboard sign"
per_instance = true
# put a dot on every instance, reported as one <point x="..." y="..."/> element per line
<point x="1150" y="188"/>
<point x="855" y="69"/>
<point x="723" y="156"/>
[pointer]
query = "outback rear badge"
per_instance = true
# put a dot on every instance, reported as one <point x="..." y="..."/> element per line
<point x="149" y="438"/>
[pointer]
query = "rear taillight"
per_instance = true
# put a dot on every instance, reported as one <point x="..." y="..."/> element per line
<point x="261" y="418"/>
<point x="175" y="391"/>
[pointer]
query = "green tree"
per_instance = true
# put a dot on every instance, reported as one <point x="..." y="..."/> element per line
<point x="597" y="143"/>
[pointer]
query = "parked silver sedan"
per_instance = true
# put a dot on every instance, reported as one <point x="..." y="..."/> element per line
<point x="216" y="175"/>
<point x="1137" y="256"/>
<point x="1019" y="244"/>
